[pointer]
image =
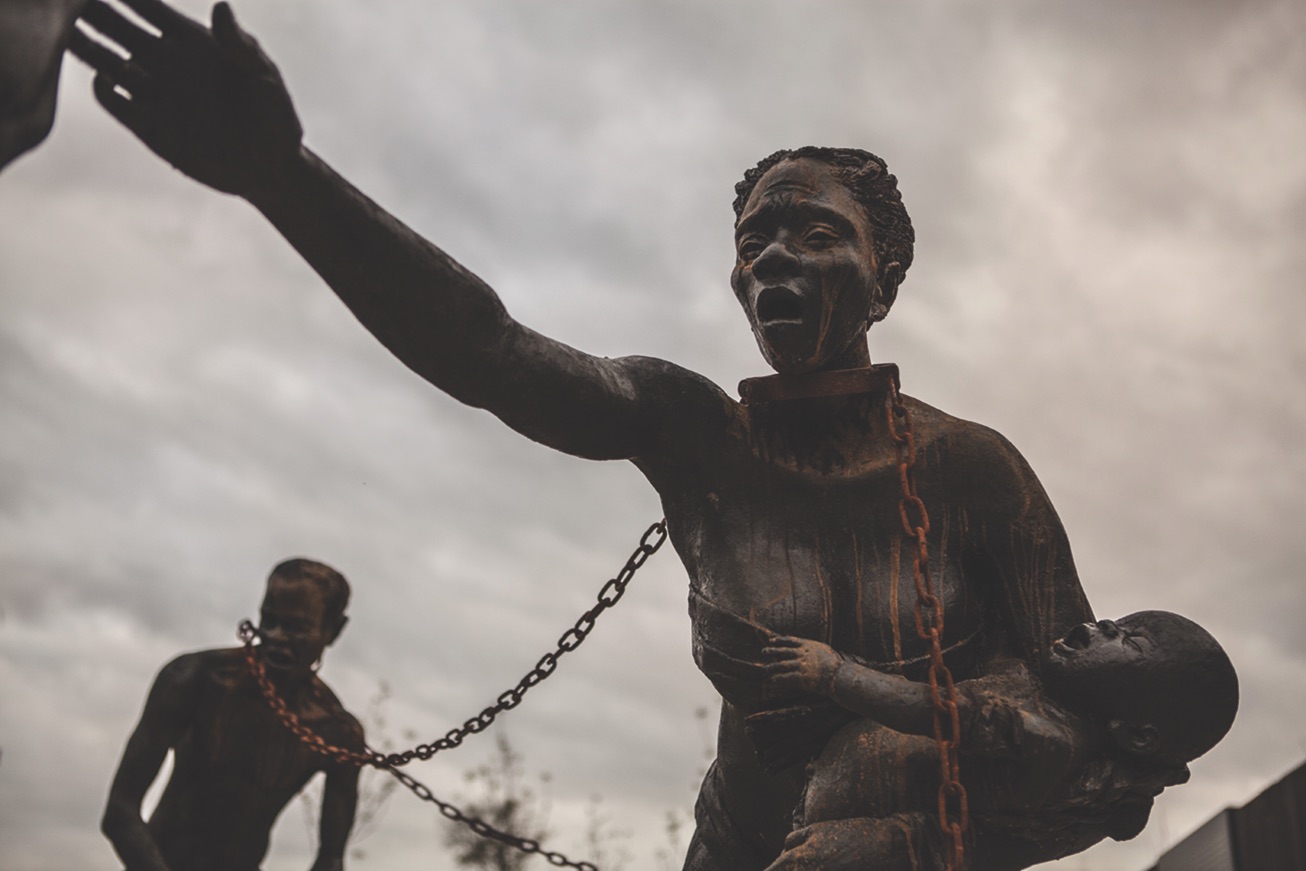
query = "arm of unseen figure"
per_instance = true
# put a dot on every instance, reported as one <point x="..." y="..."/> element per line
<point x="339" y="804"/>
<point x="161" y="723"/>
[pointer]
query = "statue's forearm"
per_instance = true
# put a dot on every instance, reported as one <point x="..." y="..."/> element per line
<point x="438" y="318"/>
<point x="449" y="327"/>
<point x="131" y="838"/>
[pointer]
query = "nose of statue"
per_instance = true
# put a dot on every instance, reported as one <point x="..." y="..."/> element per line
<point x="775" y="262"/>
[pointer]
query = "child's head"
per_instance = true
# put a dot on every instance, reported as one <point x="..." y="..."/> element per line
<point x="1164" y="687"/>
<point x="303" y="612"/>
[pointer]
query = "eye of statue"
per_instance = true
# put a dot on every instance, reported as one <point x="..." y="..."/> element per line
<point x="1138" y="641"/>
<point x="821" y="237"/>
<point x="750" y="247"/>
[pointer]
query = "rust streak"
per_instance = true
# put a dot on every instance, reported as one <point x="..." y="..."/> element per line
<point x="895" y="552"/>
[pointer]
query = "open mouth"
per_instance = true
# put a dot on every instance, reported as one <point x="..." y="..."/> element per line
<point x="1078" y="638"/>
<point x="278" y="657"/>
<point x="779" y="305"/>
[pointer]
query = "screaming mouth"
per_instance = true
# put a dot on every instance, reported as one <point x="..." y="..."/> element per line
<point x="779" y="305"/>
<point x="1078" y="638"/>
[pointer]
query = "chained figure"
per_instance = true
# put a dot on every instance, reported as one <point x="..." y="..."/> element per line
<point x="235" y="765"/>
<point x="785" y="507"/>
<point x="1052" y="765"/>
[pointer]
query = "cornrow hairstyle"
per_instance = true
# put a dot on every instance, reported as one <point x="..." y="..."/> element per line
<point x="868" y="178"/>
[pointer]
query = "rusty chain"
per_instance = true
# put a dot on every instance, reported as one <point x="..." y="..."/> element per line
<point x="422" y="791"/>
<point x="608" y="596"/>
<point x="928" y="614"/>
<point x="954" y="812"/>
<point x="484" y="829"/>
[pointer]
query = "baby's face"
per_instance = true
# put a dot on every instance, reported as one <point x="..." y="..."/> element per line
<point x="1104" y="645"/>
<point x="1106" y="665"/>
<point x="1151" y="672"/>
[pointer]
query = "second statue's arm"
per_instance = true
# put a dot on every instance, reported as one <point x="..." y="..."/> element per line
<point x="212" y="104"/>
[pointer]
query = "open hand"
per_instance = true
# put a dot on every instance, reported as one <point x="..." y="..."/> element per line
<point x="799" y="664"/>
<point x="209" y="102"/>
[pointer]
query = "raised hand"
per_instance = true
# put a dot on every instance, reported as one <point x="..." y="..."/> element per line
<point x="800" y="665"/>
<point x="209" y="102"/>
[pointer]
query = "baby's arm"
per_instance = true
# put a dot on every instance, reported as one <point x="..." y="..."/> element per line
<point x="996" y="716"/>
<point x="803" y="665"/>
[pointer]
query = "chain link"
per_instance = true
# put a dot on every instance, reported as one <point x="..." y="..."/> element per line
<point x="484" y="829"/>
<point x="954" y="811"/>
<point x="609" y="595"/>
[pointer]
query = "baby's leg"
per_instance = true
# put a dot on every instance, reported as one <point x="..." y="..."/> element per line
<point x="901" y="842"/>
<point x="868" y="771"/>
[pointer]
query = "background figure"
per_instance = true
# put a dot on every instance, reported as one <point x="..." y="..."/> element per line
<point x="235" y="764"/>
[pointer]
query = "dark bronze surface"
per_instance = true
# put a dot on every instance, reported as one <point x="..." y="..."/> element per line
<point x="786" y="510"/>
<point x="235" y="766"/>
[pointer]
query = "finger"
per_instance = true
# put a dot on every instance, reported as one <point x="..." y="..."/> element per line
<point x="160" y="14"/>
<point x="231" y="37"/>
<point x="127" y="113"/>
<point x="112" y="24"/>
<point x="113" y="67"/>
<point x="788" y="641"/>
<point x="95" y="55"/>
<point x="780" y="653"/>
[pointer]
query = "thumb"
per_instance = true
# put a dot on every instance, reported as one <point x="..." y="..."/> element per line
<point x="229" y="35"/>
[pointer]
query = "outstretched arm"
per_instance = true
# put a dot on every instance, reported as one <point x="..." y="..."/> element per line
<point x="161" y="723"/>
<point x="212" y="104"/>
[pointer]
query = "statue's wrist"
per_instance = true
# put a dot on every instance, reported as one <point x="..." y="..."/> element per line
<point x="278" y="182"/>
<point x="831" y="683"/>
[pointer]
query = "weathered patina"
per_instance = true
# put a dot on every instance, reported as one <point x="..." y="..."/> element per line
<point x="785" y="507"/>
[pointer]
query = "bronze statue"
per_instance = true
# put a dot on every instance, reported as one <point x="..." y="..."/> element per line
<point x="784" y="508"/>
<point x="236" y="766"/>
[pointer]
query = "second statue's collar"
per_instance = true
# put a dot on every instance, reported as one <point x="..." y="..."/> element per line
<point x="818" y="385"/>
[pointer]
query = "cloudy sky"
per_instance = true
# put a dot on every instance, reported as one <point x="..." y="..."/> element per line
<point x="1109" y="201"/>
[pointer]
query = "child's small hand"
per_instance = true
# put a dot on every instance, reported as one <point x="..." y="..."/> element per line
<point x="799" y="664"/>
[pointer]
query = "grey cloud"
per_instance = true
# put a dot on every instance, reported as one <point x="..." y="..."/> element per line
<point x="1107" y="206"/>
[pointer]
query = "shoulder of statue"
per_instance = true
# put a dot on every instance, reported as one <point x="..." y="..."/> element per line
<point x="932" y="425"/>
<point x="679" y="388"/>
<point x="200" y="663"/>
<point x="979" y="459"/>
<point x="331" y="714"/>
<point x="689" y="410"/>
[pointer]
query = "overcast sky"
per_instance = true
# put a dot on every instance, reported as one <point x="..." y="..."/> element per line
<point x="1109" y="201"/>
